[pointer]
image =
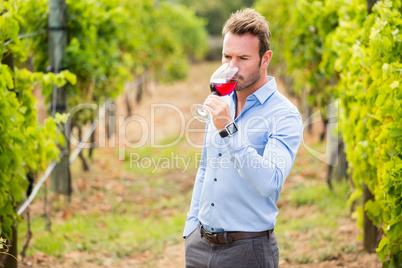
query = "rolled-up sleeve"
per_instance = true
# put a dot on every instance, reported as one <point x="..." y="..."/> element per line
<point x="267" y="172"/>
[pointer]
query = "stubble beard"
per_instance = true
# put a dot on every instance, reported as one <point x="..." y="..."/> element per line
<point x="253" y="78"/>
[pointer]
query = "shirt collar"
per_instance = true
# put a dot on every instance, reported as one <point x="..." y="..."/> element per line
<point x="264" y="92"/>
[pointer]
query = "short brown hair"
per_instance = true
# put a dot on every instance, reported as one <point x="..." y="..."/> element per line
<point x="249" y="21"/>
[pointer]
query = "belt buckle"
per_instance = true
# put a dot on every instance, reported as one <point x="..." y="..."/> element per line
<point x="209" y="233"/>
<point x="212" y="237"/>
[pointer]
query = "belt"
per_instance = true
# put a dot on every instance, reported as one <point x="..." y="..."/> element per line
<point x="229" y="237"/>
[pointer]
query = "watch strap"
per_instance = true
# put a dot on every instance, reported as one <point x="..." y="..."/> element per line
<point x="229" y="130"/>
<point x="224" y="133"/>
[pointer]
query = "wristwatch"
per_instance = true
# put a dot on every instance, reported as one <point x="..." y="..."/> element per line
<point x="229" y="130"/>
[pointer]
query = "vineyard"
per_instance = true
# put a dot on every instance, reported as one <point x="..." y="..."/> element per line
<point x="131" y="70"/>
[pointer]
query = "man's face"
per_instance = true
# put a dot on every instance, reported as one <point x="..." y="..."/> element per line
<point x="242" y="51"/>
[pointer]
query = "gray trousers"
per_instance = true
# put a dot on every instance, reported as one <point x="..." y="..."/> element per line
<point x="260" y="251"/>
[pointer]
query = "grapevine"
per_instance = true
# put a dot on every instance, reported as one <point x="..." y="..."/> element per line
<point x="109" y="44"/>
<point x="25" y="145"/>
<point x="336" y="47"/>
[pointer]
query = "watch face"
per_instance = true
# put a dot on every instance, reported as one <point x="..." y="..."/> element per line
<point x="232" y="128"/>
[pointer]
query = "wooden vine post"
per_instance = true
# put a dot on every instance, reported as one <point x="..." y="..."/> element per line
<point x="61" y="177"/>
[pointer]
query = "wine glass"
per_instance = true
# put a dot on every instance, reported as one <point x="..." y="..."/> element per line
<point x="223" y="82"/>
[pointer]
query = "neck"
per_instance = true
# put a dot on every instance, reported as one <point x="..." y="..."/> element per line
<point x="243" y="94"/>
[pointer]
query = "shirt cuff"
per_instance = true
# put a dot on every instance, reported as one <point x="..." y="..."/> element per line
<point x="191" y="225"/>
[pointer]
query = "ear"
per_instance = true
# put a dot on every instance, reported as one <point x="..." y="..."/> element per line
<point x="266" y="59"/>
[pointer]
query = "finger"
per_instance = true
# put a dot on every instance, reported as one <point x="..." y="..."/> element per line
<point x="209" y="108"/>
<point x="217" y="109"/>
<point x="211" y="103"/>
<point x="214" y="101"/>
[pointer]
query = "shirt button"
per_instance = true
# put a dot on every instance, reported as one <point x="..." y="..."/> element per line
<point x="212" y="204"/>
<point x="215" y="179"/>
<point x="219" y="154"/>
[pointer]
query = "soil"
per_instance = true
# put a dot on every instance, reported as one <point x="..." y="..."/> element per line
<point x="168" y="106"/>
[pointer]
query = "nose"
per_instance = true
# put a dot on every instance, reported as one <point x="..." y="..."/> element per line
<point x="232" y="63"/>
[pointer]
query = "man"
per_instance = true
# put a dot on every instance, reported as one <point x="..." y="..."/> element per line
<point x="249" y="148"/>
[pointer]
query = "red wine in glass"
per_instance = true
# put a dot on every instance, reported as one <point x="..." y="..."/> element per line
<point x="222" y="83"/>
<point x="222" y="87"/>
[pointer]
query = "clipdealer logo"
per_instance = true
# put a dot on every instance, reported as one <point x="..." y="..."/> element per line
<point x="147" y="131"/>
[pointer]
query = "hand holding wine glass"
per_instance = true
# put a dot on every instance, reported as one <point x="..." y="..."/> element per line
<point x="222" y="83"/>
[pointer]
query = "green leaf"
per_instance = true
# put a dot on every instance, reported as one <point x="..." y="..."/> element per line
<point x="380" y="99"/>
<point x="394" y="84"/>
<point x="70" y="77"/>
<point x="395" y="132"/>
<point x="23" y="109"/>
<point x="382" y="249"/>
<point x="395" y="230"/>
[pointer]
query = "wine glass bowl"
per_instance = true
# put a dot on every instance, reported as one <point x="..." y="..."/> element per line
<point x="223" y="82"/>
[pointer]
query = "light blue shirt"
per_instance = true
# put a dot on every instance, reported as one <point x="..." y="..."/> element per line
<point x="240" y="177"/>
